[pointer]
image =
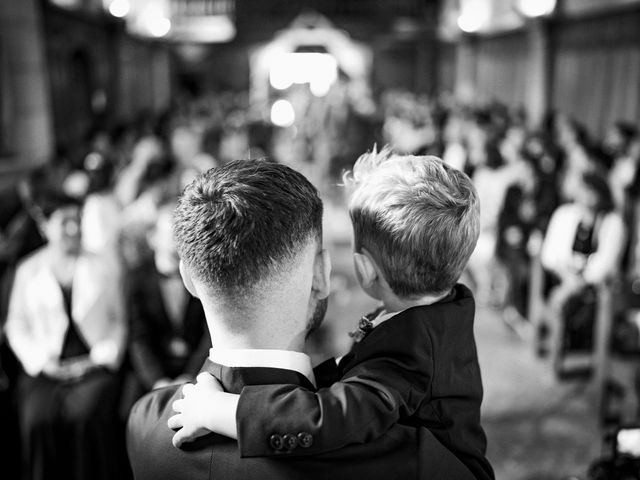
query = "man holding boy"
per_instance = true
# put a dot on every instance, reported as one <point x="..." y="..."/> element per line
<point x="414" y="360"/>
<point x="249" y="237"/>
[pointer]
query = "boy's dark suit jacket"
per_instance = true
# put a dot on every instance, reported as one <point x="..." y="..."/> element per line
<point x="419" y="368"/>
<point x="403" y="452"/>
<point x="152" y="331"/>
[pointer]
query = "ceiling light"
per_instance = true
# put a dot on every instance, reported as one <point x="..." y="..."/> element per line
<point x="474" y="14"/>
<point x="282" y="114"/>
<point x="119" y="8"/>
<point x="535" y="8"/>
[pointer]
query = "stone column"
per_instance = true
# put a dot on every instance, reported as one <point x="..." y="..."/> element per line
<point x="30" y="132"/>
<point x="539" y="72"/>
<point x="465" y="85"/>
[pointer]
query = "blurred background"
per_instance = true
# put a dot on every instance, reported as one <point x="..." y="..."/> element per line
<point x="108" y="108"/>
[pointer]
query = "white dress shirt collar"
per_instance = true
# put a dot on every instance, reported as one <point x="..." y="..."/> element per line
<point x="284" y="359"/>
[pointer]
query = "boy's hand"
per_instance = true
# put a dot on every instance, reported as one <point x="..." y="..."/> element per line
<point x="195" y="410"/>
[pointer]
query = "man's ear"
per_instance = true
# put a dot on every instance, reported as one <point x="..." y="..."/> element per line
<point x="321" y="282"/>
<point x="365" y="269"/>
<point x="186" y="279"/>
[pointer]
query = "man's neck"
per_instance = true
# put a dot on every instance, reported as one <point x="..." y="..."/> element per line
<point x="268" y="322"/>
<point x="224" y="337"/>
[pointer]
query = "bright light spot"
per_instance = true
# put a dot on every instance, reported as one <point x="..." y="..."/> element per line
<point x="536" y="8"/>
<point x="628" y="442"/>
<point x="280" y="78"/>
<point x="160" y="26"/>
<point x="155" y="21"/>
<point x="282" y="114"/>
<point x="119" y="8"/>
<point x="67" y="3"/>
<point x="203" y="29"/>
<point x="319" y="88"/>
<point x="474" y="14"/>
<point x="319" y="70"/>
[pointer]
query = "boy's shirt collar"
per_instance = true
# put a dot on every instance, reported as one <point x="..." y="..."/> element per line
<point x="249" y="357"/>
<point x="370" y="321"/>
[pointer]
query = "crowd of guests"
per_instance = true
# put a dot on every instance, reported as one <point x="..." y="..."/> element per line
<point x="93" y="310"/>
<point x="554" y="194"/>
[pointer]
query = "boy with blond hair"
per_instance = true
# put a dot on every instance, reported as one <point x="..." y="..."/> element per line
<point x="413" y="361"/>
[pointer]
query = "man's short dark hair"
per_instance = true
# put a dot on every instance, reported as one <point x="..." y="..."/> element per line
<point x="235" y="224"/>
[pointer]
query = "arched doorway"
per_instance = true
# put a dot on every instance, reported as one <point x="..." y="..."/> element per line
<point x="323" y="75"/>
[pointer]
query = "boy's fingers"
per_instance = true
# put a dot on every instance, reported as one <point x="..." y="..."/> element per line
<point x="187" y="388"/>
<point x="178" y="439"/>
<point x="177" y="406"/>
<point x="175" y="422"/>
<point x="210" y="381"/>
<point x="203" y="377"/>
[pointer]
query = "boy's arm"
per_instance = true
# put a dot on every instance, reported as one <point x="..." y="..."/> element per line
<point x="291" y="420"/>
<point x="205" y="407"/>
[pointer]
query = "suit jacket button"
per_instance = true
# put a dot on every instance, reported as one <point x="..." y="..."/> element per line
<point x="305" y="440"/>
<point x="276" y="441"/>
<point x="290" y="441"/>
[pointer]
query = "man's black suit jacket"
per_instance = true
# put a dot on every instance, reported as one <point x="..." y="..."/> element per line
<point x="403" y="452"/>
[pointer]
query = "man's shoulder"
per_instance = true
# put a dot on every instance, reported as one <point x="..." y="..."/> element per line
<point x="151" y="453"/>
<point x="400" y="453"/>
<point x="152" y="407"/>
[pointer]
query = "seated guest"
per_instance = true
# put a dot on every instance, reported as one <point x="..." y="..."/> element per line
<point x="19" y="236"/>
<point x="585" y="238"/>
<point x="169" y="340"/>
<point x="66" y="326"/>
<point x="583" y="246"/>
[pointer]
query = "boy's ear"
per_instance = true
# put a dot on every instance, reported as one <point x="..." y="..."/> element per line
<point x="365" y="269"/>
<point x="186" y="279"/>
<point x="321" y="283"/>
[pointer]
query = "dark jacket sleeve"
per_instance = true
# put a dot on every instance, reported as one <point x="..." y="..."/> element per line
<point x="382" y="385"/>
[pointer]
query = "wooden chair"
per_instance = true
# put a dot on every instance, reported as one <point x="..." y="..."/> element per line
<point x="616" y="373"/>
<point x="537" y="308"/>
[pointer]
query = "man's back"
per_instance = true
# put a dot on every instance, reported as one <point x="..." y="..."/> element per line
<point x="399" y="453"/>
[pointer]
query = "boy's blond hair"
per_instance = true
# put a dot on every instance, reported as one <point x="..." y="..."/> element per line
<point x="417" y="216"/>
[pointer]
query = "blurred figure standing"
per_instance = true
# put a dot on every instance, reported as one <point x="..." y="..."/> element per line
<point x="101" y="212"/>
<point x="169" y="340"/>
